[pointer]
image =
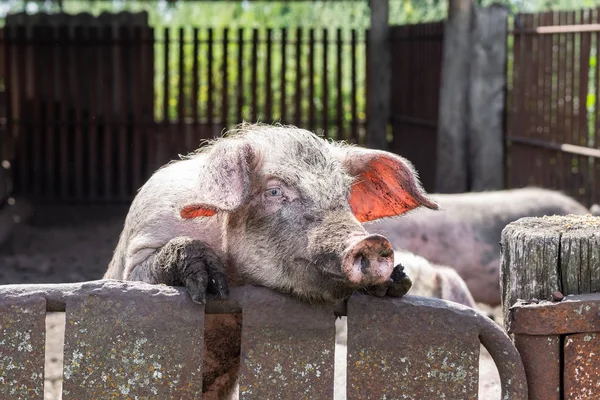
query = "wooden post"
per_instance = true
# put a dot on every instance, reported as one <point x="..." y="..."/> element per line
<point x="451" y="171"/>
<point x="487" y="89"/>
<point x="542" y="256"/>
<point x="379" y="76"/>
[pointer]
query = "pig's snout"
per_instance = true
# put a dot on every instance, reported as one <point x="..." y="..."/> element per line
<point x="369" y="261"/>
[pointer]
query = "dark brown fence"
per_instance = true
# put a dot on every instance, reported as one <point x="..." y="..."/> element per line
<point x="93" y="111"/>
<point x="416" y="54"/>
<point x="553" y="127"/>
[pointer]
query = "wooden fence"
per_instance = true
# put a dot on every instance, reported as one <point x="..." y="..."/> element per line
<point x="416" y="57"/>
<point x="94" y="110"/>
<point x="553" y="125"/>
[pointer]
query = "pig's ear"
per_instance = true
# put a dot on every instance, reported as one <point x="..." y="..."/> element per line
<point x="224" y="179"/>
<point x="385" y="184"/>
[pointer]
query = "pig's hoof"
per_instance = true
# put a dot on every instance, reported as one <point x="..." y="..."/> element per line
<point x="206" y="277"/>
<point x="401" y="283"/>
<point x="397" y="286"/>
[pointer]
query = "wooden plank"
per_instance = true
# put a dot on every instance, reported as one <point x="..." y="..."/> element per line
<point x="51" y="73"/>
<point x="240" y="76"/>
<point x="254" y="76"/>
<point x="298" y="78"/>
<point x="65" y="99"/>
<point x="378" y="76"/>
<point x="325" y="85"/>
<point x="35" y="125"/>
<point x="95" y="82"/>
<point x="137" y="58"/>
<point x="544" y="255"/>
<point x="120" y="105"/>
<point x="165" y="135"/>
<point x="451" y="171"/>
<point x="283" y="85"/>
<point x="311" y="80"/>
<point x="353" y="86"/>
<point x="486" y="98"/>
<point x="225" y="81"/>
<point x="182" y="146"/>
<point x="195" y="82"/>
<point x="339" y="88"/>
<point x="268" y="113"/>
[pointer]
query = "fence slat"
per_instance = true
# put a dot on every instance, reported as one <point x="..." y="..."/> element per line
<point x="353" y="90"/>
<point x="50" y="120"/>
<point x="240" y="77"/>
<point x="225" y="80"/>
<point x="195" y="82"/>
<point x="65" y="99"/>
<point x="182" y="144"/>
<point x="120" y="107"/>
<point x="298" y="78"/>
<point x="36" y="127"/>
<point x="137" y="58"/>
<point x="254" y="77"/>
<point x="297" y="353"/>
<point x="165" y="136"/>
<point x="282" y="88"/>
<point x="95" y="81"/>
<point x="311" y="79"/>
<point x="268" y="76"/>
<point x="325" y="85"/>
<point x="339" y="106"/>
<point x="596" y="163"/>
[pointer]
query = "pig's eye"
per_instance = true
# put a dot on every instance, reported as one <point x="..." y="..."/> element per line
<point x="274" y="192"/>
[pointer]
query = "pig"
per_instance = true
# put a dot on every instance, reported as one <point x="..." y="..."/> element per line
<point x="433" y="280"/>
<point x="465" y="233"/>
<point x="275" y="206"/>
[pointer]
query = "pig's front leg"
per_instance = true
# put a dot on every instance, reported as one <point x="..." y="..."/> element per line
<point x="185" y="262"/>
<point x="397" y="286"/>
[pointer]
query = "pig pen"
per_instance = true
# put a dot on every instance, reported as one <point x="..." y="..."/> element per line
<point x="75" y="243"/>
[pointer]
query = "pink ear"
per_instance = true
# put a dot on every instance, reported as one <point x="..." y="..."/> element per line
<point x="195" y="211"/>
<point x="386" y="185"/>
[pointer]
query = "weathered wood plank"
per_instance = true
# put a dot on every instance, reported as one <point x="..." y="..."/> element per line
<point x="542" y="255"/>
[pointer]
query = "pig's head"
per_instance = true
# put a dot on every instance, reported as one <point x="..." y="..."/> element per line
<point x="294" y="204"/>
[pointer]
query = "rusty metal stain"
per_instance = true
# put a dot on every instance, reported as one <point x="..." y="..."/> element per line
<point x="22" y="338"/>
<point x="582" y="366"/>
<point x="575" y="314"/>
<point x="541" y="357"/>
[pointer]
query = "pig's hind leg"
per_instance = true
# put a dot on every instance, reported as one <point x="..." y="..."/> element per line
<point x="185" y="262"/>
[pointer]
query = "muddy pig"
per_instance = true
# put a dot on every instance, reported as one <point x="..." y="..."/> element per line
<point x="268" y="205"/>
<point x="465" y="233"/>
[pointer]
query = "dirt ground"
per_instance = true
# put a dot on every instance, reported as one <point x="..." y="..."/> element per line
<point x="74" y="244"/>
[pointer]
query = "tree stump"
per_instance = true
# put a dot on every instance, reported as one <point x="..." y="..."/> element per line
<point x="557" y="255"/>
